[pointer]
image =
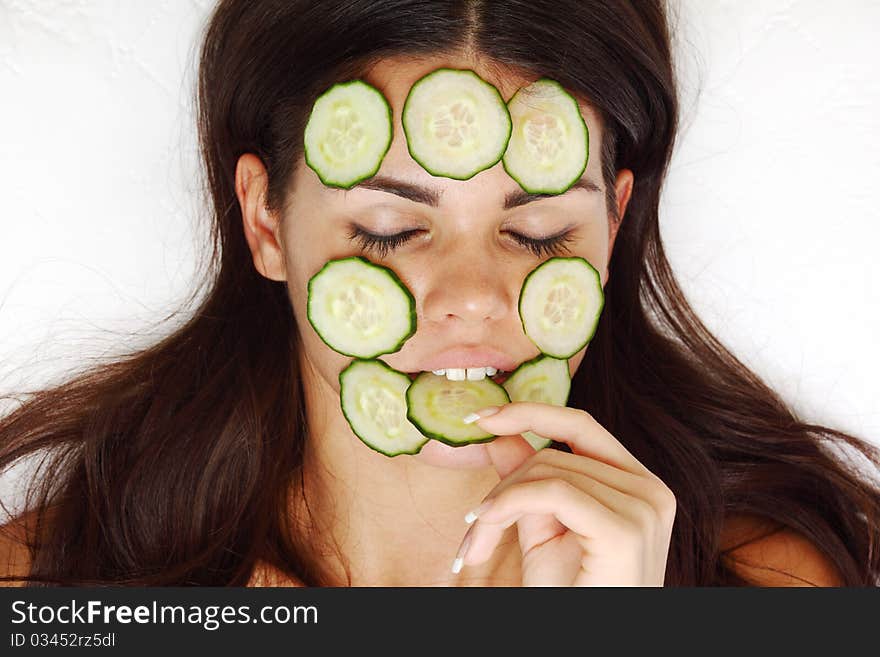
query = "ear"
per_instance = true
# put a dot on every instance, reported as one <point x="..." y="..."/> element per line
<point x="260" y="226"/>
<point x="622" y="192"/>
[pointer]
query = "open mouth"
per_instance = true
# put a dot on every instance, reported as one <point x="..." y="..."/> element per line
<point x="468" y="374"/>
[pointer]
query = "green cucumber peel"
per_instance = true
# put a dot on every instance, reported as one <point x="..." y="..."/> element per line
<point x="553" y="371"/>
<point x="531" y="322"/>
<point x="390" y="395"/>
<point x="421" y="107"/>
<point x="348" y="134"/>
<point x="447" y="427"/>
<point x="325" y="322"/>
<point x="563" y="139"/>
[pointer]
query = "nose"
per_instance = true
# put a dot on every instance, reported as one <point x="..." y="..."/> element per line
<point x="468" y="288"/>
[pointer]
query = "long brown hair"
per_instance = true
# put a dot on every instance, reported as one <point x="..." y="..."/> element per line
<point x="173" y="465"/>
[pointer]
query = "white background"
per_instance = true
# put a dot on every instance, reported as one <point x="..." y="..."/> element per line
<point x="769" y="216"/>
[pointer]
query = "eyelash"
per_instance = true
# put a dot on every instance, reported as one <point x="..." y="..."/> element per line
<point x="379" y="243"/>
<point x="554" y="245"/>
<point x="383" y="244"/>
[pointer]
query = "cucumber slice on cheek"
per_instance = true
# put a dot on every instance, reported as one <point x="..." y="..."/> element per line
<point x="360" y="309"/>
<point x="560" y="303"/>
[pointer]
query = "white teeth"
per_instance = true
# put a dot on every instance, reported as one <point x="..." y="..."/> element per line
<point x="476" y="373"/>
<point x="469" y="373"/>
<point x="455" y="374"/>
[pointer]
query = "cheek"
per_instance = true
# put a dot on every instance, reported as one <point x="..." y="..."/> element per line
<point x="575" y="361"/>
<point x="298" y="296"/>
<point x="318" y="361"/>
<point x="595" y="251"/>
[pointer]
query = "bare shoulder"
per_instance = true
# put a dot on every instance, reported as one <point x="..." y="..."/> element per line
<point x="768" y="554"/>
<point x="15" y="560"/>
<point x="265" y="575"/>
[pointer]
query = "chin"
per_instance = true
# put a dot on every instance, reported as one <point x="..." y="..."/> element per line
<point x="466" y="457"/>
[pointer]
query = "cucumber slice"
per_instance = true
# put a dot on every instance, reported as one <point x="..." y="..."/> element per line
<point x="348" y="133"/>
<point x="360" y="309"/>
<point x="456" y="123"/>
<point x="373" y="398"/>
<point x="543" y="379"/>
<point x="560" y="303"/>
<point x="437" y="406"/>
<point x="550" y="144"/>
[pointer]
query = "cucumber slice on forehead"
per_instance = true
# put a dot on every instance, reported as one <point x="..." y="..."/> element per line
<point x="549" y="146"/>
<point x="543" y="379"/>
<point x="560" y="303"/>
<point x="373" y="398"/>
<point x="456" y="123"/>
<point x="348" y="133"/>
<point x="359" y="308"/>
<point x="437" y="406"/>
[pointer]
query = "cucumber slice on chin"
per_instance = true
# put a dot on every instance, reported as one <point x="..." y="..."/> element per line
<point x="543" y="379"/>
<point x="437" y="406"/>
<point x="373" y="399"/>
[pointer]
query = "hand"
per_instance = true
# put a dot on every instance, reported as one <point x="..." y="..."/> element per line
<point x="595" y="517"/>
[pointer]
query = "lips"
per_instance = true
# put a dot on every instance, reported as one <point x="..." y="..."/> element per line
<point x="465" y="356"/>
<point x="468" y="362"/>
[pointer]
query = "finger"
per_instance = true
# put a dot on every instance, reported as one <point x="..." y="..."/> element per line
<point x="646" y="487"/>
<point x="508" y="453"/>
<point x="537" y="529"/>
<point x="571" y="507"/>
<point x="645" y="502"/>
<point x="573" y="426"/>
<point x="615" y="499"/>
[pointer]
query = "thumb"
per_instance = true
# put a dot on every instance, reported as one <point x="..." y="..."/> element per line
<point x="508" y="453"/>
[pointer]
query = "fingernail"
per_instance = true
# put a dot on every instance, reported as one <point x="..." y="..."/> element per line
<point x="476" y="513"/>
<point x="483" y="412"/>
<point x="462" y="552"/>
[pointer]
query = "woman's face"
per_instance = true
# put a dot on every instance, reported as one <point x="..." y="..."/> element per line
<point x="462" y="260"/>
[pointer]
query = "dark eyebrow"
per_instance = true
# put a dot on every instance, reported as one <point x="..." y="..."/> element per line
<point x="400" y="188"/>
<point x="431" y="197"/>
<point x="520" y="197"/>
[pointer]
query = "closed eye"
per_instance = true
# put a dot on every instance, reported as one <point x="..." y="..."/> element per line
<point x="384" y="244"/>
<point x="541" y="246"/>
<point x="381" y="244"/>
